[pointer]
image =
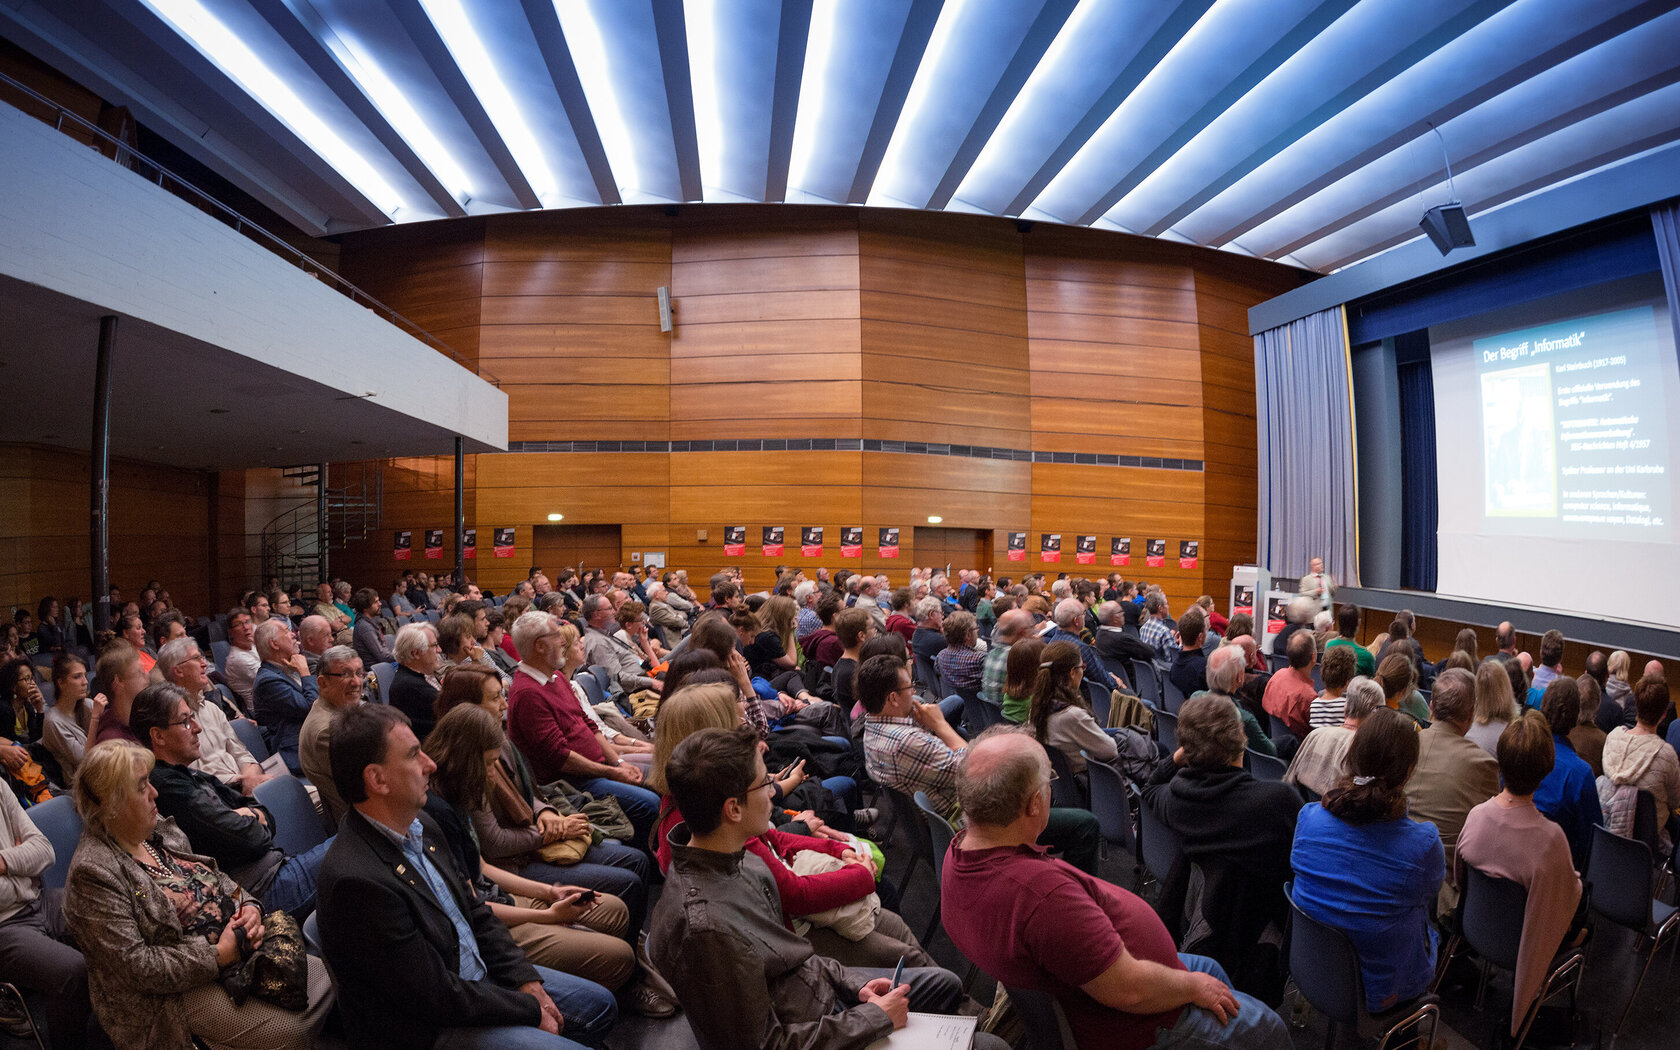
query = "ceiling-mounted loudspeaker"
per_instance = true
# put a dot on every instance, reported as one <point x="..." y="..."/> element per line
<point x="1448" y="227"/>
<point x="664" y="292"/>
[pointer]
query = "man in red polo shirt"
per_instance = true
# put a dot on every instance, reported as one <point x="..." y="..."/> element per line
<point x="1290" y="693"/>
<point x="1033" y="922"/>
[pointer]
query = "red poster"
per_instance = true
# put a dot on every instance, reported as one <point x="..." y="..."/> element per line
<point x="1017" y="546"/>
<point x="1049" y="546"/>
<point x="1275" y="621"/>
<point x="469" y="542"/>
<point x="402" y="546"/>
<point x="1244" y="603"/>
<point x="888" y="546"/>
<point x="772" y="541"/>
<point x="734" y="540"/>
<point x="504" y="543"/>
<point x="434" y="544"/>
<point x="1085" y="550"/>
<point x="811" y="541"/>
<point x="1187" y="550"/>
<point x="1120" y="550"/>
<point x="1154" y="553"/>
<point x="851" y="541"/>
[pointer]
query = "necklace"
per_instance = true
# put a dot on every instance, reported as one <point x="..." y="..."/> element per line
<point x="162" y="863"/>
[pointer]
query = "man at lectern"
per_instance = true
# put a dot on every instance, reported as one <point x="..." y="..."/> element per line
<point x="1318" y="585"/>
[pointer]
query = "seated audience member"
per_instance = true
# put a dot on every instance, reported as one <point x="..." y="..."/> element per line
<point x="601" y="648"/>
<point x="1290" y="693"/>
<point x="1297" y="616"/>
<point x="1226" y="671"/>
<point x="65" y="724"/>
<point x="587" y="939"/>
<point x="777" y="690"/>
<point x="1189" y="668"/>
<point x="908" y="746"/>
<point x="1453" y="775"/>
<point x="340" y="676"/>
<point x="1364" y="868"/>
<point x="1012" y="626"/>
<point x="132" y="629"/>
<point x="899" y="603"/>
<point x="119" y="672"/>
<point x="929" y="635"/>
<point x="1568" y="795"/>
<point x="1617" y="706"/>
<point x="1215" y="622"/>
<point x="713" y="706"/>
<point x="512" y="825"/>
<point x="823" y="645"/>
<point x="220" y="753"/>
<point x="157" y="922"/>
<point x="1337" y="669"/>
<point x="664" y="615"/>
<point x="633" y="630"/>
<point x="1586" y="738"/>
<point x="1069" y="616"/>
<point x="960" y="661"/>
<point x="1117" y="646"/>
<point x="36" y="949"/>
<point x="233" y="829"/>
<point x="315" y="637"/>
<point x="166" y="628"/>
<point x="1507" y="838"/>
<point x="1496" y="705"/>
<point x="1160" y="632"/>
<point x="1398" y="678"/>
<point x="366" y="638"/>
<point x="1021" y="677"/>
<point x="1347" y="631"/>
<point x="420" y="961"/>
<point x="1035" y="922"/>
<point x="852" y="630"/>
<point x="1237" y="831"/>
<point x="546" y="722"/>
<point x="240" y="667"/>
<point x="458" y="645"/>
<point x="1321" y="759"/>
<point x="769" y="643"/>
<point x="743" y="977"/>
<point x="1551" y="661"/>
<point x="400" y="603"/>
<point x="414" y="686"/>
<point x="495" y="630"/>
<point x="284" y="690"/>
<point x="1640" y="759"/>
<point x="1060" y="714"/>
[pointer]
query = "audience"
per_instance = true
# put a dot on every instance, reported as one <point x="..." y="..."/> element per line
<point x="1189" y="668"/>
<point x="1453" y="775"/>
<point x="1496" y="705"/>
<point x="415" y="684"/>
<point x="284" y="690"/>
<point x="962" y="659"/>
<point x="119" y="671"/>
<point x="1586" y="738"/>
<point x="1060" y="714"/>
<point x="1336" y="669"/>
<point x="1320" y="760"/>
<point x="1226" y="670"/>
<point x="340" y="676"/>
<point x="220" y="752"/>
<point x="1568" y="795"/>
<point x="1347" y="632"/>
<point x="239" y="669"/>
<point x="1640" y="759"/>
<point x="1398" y="678"/>
<point x="1290" y="693"/>
<point x="1159" y="632"/>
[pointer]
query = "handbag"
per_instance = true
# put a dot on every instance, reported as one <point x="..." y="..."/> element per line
<point x="605" y="815"/>
<point x="277" y="972"/>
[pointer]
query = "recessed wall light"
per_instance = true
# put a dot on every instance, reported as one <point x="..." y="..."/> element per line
<point x="934" y="519"/>
<point x="555" y="517"/>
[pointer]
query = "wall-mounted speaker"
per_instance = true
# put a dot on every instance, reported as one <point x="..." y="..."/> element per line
<point x="664" y="293"/>
<point x="1448" y="227"/>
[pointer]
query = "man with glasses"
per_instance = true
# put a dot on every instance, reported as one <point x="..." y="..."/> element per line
<point x="232" y="829"/>
<point x="340" y="678"/>
<point x="220" y="752"/>
<point x="743" y="977"/>
<point x="284" y="690"/>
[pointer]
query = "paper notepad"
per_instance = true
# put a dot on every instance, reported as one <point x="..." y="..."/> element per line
<point x="931" y="1032"/>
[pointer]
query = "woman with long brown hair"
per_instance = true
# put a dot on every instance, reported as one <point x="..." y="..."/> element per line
<point x="1363" y="867"/>
<point x="1020" y="677"/>
<point x="1060" y="715"/>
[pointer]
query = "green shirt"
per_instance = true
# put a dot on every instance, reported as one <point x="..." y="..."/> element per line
<point x="1367" y="662"/>
<point x="1016" y="708"/>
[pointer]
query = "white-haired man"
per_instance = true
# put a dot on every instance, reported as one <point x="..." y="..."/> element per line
<point x="1069" y="617"/>
<point x="340" y="678"/>
<point x="220" y="752"/>
<point x="284" y="690"/>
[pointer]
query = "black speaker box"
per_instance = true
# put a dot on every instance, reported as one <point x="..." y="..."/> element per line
<point x="1448" y="227"/>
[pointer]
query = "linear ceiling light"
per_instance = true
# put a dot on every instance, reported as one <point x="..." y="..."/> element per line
<point x="470" y="54"/>
<point x="700" y="21"/>
<point x="393" y="104"/>
<point x="823" y="41"/>
<point x="240" y="64"/>
<point x="588" y="46"/>
<point x="929" y="74"/>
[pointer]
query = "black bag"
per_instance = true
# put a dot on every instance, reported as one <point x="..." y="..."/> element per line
<point x="277" y="972"/>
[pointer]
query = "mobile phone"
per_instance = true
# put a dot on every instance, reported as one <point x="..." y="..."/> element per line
<point x="586" y="897"/>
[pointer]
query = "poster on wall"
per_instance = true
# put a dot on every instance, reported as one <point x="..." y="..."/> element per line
<point x="1245" y="600"/>
<point x="402" y="546"/>
<point x="811" y="541"/>
<point x="1049" y="546"/>
<point x="504" y="543"/>
<point x="1085" y="550"/>
<point x="469" y="543"/>
<point x="1154" y="553"/>
<point x="851" y="541"/>
<point x="888" y="546"/>
<point x="772" y="541"/>
<point x="434" y="544"/>
<point x="1120" y="550"/>
<point x="1017" y="546"/>
<point x="734" y="540"/>
<point x="1187" y="550"/>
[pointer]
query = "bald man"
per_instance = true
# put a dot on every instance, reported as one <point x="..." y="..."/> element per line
<point x="1010" y="628"/>
<point x="1035" y="922"/>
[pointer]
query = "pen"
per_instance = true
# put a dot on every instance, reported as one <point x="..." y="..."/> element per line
<point x="898" y="974"/>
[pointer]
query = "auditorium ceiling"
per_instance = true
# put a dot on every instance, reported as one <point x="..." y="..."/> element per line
<point x="1312" y="132"/>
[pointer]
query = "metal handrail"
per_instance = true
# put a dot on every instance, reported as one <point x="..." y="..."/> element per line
<point x="126" y="154"/>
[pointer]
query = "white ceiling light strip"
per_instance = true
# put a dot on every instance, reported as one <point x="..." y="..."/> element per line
<point x="588" y="46"/>
<point x="813" y="93"/>
<point x="700" y="22"/>
<point x="930" y="74"/>
<point x="240" y="64"/>
<point x="467" y="48"/>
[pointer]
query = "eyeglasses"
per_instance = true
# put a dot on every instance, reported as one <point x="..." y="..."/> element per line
<point x="190" y="720"/>
<point x="1053" y="778"/>
<point x="769" y="779"/>
<point x="338" y="674"/>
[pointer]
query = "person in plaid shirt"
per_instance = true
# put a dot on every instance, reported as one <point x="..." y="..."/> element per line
<point x="959" y="662"/>
<point x="1011" y="627"/>
<point x="1157" y="633"/>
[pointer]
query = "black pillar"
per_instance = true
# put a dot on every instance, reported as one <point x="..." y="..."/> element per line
<point x="460" y="514"/>
<point x="321" y="521"/>
<point x="99" y="477"/>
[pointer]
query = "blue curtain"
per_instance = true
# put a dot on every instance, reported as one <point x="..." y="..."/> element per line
<point x="1305" y="430"/>
<point x="1419" y="497"/>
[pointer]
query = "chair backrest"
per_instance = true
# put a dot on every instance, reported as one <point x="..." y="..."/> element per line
<point x="978" y="715"/>
<point x="605" y="677"/>
<point x="1620" y="873"/>
<point x="908" y="814"/>
<point x="251" y="735"/>
<point x="62" y="825"/>
<point x="1148" y="683"/>
<point x="1171" y="695"/>
<point x="384" y="674"/>
<point x="49" y="693"/>
<point x="1645" y="820"/>
<point x="312" y="933"/>
<point x="1265" y="767"/>
<point x="1159" y="843"/>
<point x="1324" y="965"/>
<point x="297" y="826"/>
<point x="1166" y="731"/>
<point x="219" y="652"/>
<point x="940" y="832"/>
<point x="1111" y="802"/>
<point x="1101" y="697"/>
<point x="1276" y="662"/>
<point x="1065" y="790"/>
<point x="434" y="615"/>
<point x="1042" y="1019"/>
<point x="927" y="673"/>
<point x="591" y="688"/>
<point x="1491" y="912"/>
<point x="216" y="631"/>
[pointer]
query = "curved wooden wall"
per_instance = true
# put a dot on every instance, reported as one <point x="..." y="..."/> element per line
<point x="855" y="325"/>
